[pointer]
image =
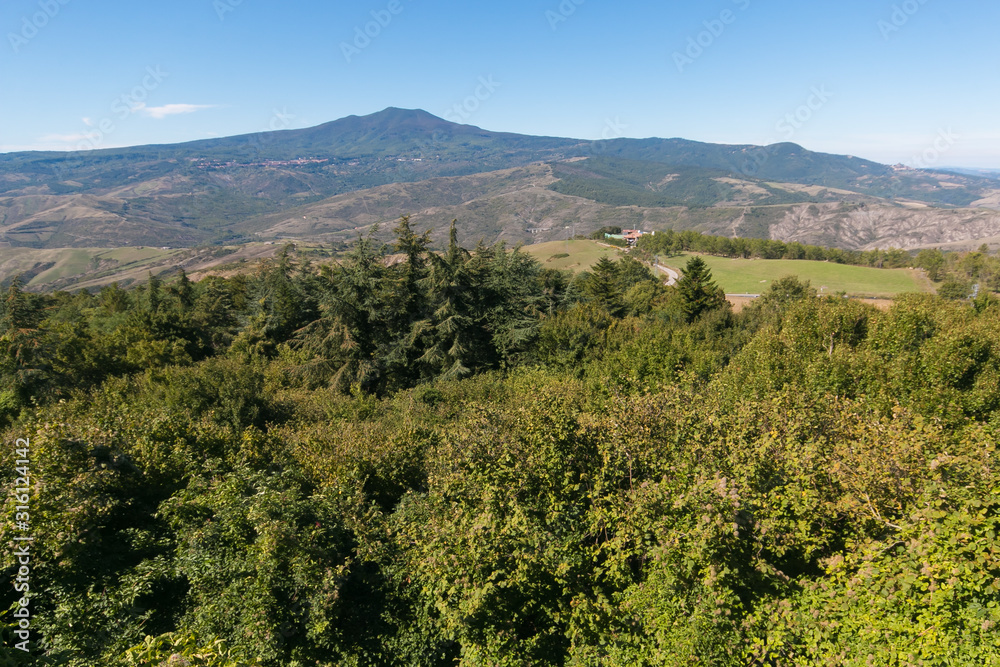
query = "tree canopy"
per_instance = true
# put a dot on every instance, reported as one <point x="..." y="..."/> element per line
<point x="420" y="456"/>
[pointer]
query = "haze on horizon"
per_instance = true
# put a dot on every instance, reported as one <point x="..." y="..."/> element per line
<point x="903" y="81"/>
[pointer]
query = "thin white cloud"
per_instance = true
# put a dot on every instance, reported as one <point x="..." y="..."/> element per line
<point x="87" y="122"/>
<point x="160" y="113"/>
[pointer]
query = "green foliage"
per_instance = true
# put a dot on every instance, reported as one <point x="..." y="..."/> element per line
<point x="262" y="543"/>
<point x="699" y="294"/>
<point x="754" y="242"/>
<point x="446" y="316"/>
<point x="181" y="649"/>
<point x="931" y="260"/>
<point x="955" y="289"/>
<point x="227" y="391"/>
<point x="461" y="458"/>
<point x="927" y="595"/>
<point x="785" y="291"/>
<point x="278" y="306"/>
<point x="600" y="287"/>
<point x="566" y="339"/>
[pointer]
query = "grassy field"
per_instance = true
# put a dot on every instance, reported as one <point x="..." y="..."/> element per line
<point x="78" y="261"/>
<point x="582" y="254"/>
<point x="63" y="263"/>
<point x="76" y="268"/>
<point x="752" y="276"/>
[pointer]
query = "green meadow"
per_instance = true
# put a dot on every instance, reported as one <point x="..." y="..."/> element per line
<point x="578" y="255"/>
<point x="749" y="276"/>
<point x="753" y="276"/>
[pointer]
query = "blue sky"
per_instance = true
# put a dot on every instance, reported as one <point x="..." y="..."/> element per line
<point x="897" y="81"/>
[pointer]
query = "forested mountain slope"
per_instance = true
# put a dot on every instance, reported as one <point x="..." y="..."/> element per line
<point x="233" y="189"/>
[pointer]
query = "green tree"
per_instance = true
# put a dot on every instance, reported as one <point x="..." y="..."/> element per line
<point x="954" y="289"/>
<point x="409" y="304"/>
<point x="510" y="301"/>
<point x="454" y="348"/>
<point x="414" y="269"/>
<point x="785" y="291"/>
<point x="347" y="344"/>
<point x="25" y="368"/>
<point x="280" y="303"/>
<point x="931" y="261"/>
<point x="184" y="290"/>
<point x="698" y="291"/>
<point x="601" y="287"/>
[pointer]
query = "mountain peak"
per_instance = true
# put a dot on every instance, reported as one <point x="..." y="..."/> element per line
<point x="395" y="117"/>
<point x="397" y="113"/>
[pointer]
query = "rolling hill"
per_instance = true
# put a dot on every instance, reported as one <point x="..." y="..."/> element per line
<point x="331" y="182"/>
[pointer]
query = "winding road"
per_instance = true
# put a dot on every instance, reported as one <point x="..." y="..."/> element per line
<point x="673" y="276"/>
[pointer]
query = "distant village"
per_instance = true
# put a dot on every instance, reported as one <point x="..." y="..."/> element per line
<point x="206" y="163"/>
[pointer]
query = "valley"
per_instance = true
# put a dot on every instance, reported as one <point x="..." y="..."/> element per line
<point x="329" y="184"/>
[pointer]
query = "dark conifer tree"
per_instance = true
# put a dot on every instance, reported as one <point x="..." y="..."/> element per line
<point x="154" y="293"/>
<point x="414" y="268"/>
<point x="602" y="288"/>
<point x="699" y="293"/>
<point x="184" y="290"/>
<point x="410" y="304"/>
<point x="453" y="351"/>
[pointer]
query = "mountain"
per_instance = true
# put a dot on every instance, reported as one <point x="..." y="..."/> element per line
<point x="983" y="173"/>
<point x="332" y="181"/>
<point x="392" y="132"/>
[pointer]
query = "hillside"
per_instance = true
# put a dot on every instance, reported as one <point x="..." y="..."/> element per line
<point x="357" y="171"/>
<point x="89" y="268"/>
<point x="533" y="204"/>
